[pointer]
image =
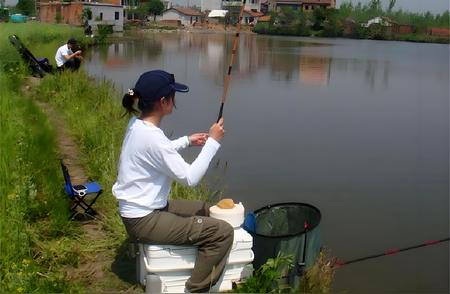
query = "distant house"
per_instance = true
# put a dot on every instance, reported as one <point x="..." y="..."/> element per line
<point x="265" y="18"/>
<point x="251" y="5"/>
<point x="440" y="32"/>
<point x="305" y="5"/>
<point x="209" y="5"/>
<point x="216" y="16"/>
<point x="70" y="13"/>
<point x="379" y="20"/>
<point x="251" y="17"/>
<point x="265" y="6"/>
<point x="350" y="27"/>
<point x="403" y="29"/>
<point x="217" y="13"/>
<point x="187" y="16"/>
<point x="390" y="25"/>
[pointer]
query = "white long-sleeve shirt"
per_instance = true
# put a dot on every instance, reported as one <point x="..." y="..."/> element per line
<point x="148" y="164"/>
<point x="60" y="53"/>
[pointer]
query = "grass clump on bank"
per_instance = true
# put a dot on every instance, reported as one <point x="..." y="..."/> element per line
<point x="271" y="277"/>
<point x="34" y="223"/>
<point x="34" y="226"/>
<point x="40" y="38"/>
<point x="93" y="113"/>
<point x="38" y="243"/>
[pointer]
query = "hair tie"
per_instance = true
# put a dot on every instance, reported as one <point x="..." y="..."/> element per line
<point x="130" y="92"/>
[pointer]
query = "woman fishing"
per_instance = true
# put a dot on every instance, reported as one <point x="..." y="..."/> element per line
<point x="148" y="164"/>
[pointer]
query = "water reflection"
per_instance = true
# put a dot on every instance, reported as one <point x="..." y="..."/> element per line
<point x="282" y="58"/>
<point x="314" y="70"/>
<point x="306" y="62"/>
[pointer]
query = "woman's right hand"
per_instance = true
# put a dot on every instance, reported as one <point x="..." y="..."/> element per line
<point x="216" y="131"/>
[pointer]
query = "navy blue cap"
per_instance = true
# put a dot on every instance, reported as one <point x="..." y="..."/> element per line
<point x="155" y="84"/>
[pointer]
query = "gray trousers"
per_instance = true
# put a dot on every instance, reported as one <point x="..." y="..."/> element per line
<point x="186" y="222"/>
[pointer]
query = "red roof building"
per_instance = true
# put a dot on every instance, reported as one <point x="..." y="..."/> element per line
<point x="183" y="15"/>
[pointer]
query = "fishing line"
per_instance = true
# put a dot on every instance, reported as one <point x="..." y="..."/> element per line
<point x="339" y="263"/>
<point x="227" y="78"/>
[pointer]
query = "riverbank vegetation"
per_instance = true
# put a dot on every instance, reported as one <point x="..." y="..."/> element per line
<point x="37" y="239"/>
<point x="352" y="21"/>
<point x="41" y="250"/>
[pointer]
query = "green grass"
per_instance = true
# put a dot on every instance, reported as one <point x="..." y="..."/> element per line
<point x="33" y="211"/>
<point x="271" y="276"/>
<point x="94" y="114"/>
<point x="37" y="242"/>
<point x="40" y="38"/>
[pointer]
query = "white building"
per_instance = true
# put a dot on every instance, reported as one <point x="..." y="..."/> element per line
<point x="187" y="16"/>
<point x="208" y="5"/>
<point x="107" y="14"/>
<point x="383" y="21"/>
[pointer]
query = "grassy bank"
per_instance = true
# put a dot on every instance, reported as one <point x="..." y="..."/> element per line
<point x="38" y="244"/>
<point x="36" y="236"/>
<point x="39" y="247"/>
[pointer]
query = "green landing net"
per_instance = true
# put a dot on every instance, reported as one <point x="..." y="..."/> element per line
<point x="287" y="228"/>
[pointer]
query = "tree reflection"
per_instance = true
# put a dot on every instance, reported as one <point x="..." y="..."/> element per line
<point x="286" y="58"/>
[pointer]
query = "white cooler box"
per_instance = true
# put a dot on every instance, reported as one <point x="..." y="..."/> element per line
<point x="166" y="268"/>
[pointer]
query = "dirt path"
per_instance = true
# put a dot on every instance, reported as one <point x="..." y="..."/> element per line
<point x="94" y="269"/>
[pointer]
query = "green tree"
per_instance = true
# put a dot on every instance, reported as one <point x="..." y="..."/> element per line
<point x="375" y="5"/>
<point x="86" y="14"/>
<point x="26" y="7"/>
<point x="391" y="5"/>
<point x="319" y="16"/>
<point x="155" y="7"/>
<point x="332" y="26"/>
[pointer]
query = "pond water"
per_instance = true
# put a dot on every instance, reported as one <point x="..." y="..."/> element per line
<point x="357" y="128"/>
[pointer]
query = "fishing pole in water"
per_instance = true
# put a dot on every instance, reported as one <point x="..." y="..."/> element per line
<point x="227" y="78"/>
<point x="339" y="263"/>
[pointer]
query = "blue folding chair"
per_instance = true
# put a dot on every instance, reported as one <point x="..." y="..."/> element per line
<point x="78" y="194"/>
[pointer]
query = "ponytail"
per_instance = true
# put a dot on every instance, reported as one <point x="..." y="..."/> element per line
<point x="128" y="102"/>
<point x="144" y="106"/>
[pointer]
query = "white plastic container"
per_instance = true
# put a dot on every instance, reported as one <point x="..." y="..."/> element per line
<point x="166" y="268"/>
<point x="234" y="216"/>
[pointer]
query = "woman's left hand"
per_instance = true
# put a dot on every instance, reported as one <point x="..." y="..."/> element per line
<point x="198" y="139"/>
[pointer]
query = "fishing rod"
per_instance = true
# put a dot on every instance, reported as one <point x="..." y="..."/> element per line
<point x="339" y="263"/>
<point x="227" y="78"/>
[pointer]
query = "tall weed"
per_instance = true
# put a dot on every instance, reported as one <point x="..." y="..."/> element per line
<point x="30" y="195"/>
